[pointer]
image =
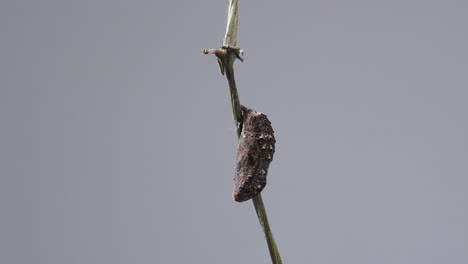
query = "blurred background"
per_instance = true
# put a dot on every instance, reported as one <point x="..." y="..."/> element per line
<point x="117" y="143"/>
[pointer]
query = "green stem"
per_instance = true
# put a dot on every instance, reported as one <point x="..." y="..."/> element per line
<point x="236" y="106"/>
<point x="263" y="218"/>
<point x="226" y="57"/>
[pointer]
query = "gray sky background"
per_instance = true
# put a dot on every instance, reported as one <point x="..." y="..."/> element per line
<point x="117" y="143"/>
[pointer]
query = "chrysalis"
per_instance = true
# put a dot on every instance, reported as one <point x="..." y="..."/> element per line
<point x="254" y="154"/>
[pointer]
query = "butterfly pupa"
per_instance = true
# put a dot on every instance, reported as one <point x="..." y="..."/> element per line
<point x="254" y="154"/>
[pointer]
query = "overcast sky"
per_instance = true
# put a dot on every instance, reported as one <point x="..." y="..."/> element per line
<point x="117" y="143"/>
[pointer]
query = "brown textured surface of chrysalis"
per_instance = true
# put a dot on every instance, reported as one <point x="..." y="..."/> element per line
<point x="254" y="154"/>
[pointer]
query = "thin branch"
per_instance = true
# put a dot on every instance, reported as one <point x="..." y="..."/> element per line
<point x="236" y="106"/>
<point x="230" y="39"/>
<point x="262" y="216"/>
<point x="226" y="56"/>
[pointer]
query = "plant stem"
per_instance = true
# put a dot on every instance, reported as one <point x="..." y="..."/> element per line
<point x="262" y="217"/>
<point x="230" y="38"/>
<point x="226" y="57"/>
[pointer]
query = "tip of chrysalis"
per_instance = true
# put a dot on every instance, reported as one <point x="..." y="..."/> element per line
<point x="239" y="198"/>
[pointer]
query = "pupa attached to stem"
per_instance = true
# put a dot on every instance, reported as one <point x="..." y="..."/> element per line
<point x="254" y="154"/>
